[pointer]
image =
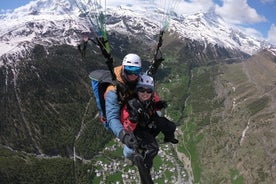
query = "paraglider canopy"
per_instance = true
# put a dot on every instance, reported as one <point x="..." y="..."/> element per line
<point x="94" y="12"/>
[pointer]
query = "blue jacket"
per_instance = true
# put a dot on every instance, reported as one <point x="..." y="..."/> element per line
<point x="112" y="106"/>
<point x="113" y="112"/>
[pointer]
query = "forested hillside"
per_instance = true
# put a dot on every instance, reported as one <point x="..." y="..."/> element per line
<point x="223" y="108"/>
<point x="229" y="131"/>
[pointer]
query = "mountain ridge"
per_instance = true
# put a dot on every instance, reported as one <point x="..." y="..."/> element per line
<point x="224" y="111"/>
<point x="61" y="19"/>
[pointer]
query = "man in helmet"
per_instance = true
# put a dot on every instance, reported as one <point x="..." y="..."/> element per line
<point x="127" y="76"/>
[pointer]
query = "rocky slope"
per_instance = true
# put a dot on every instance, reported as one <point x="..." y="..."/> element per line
<point x="232" y="127"/>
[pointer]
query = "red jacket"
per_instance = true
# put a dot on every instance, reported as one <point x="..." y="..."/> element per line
<point x="128" y="125"/>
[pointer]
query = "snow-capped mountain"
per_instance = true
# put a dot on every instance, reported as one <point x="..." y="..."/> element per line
<point x="58" y="22"/>
<point x="48" y="110"/>
<point x="39" y="22"/>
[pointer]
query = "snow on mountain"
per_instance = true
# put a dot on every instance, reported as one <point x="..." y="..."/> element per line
<point x="210" y="29"/>
<point x="272" y="51"/>
<point x="51" y="22"/>
<point x="40" y="22"/>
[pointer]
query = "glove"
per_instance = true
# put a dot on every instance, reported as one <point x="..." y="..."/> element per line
<point x="129" y="140"/>
<point x="137" y="113"/>
<point x="161" y="104"/>
<point x="134" y="109"/>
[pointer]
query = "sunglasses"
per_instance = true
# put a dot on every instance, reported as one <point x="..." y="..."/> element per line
<point x="142" y="90"/>
<point x="130" y="70"/>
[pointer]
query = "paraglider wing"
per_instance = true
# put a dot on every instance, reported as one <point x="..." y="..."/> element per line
<point x="94" y="12"/>
<point x="168" y="8"/>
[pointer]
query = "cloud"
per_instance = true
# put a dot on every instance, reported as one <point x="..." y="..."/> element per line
<point x="271" y="36"/>
<point x="194" y="6"/>
<point x="252" y="31"/>
<point x="268" y="1"/>
<point x="181" y="6"/>
<point x="131" y="4"/>
<point x="239" y="12"/>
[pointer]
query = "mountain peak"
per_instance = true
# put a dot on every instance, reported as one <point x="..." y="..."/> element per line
<point x="39" y="7"/>
<point x="52" y="22"/>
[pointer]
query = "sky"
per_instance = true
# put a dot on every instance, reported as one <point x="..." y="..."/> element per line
<point x="252" y="16"/>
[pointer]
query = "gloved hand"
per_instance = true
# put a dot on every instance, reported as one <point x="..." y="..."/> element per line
<point x="161" y="104"/>
<point x="137" y="112"/>
<point x="135" y="109"/>
<point x="131" y="142"/>
<point x="128" y="139"/>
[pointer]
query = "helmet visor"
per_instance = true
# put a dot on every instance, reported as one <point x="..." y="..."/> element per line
<point x="129" y="70"/>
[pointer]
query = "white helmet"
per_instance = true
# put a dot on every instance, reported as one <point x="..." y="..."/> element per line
<point x="132" y="60"/>
<point x="145" y="81"/>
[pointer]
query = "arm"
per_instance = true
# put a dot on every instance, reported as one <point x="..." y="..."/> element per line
<point x="159" y="104"/>
<point x="113" y="112"/>
<point x="113" y="119"/>
<point x="127" y="123"/>
<point x="138" y="113"/>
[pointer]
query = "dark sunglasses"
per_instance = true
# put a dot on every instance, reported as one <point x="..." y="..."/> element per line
<point x="142" y="90"/>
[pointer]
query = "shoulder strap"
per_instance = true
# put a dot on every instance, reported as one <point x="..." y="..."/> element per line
<point x="124" y="93"/>
<point x="101" y="79"/>
<point x="101" y="76"/>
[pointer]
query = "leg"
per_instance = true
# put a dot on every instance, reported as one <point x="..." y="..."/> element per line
<point x="167" y="127"/>
<point x="144" y="172"/>
<point x="144" y="161"/>
<point x="149" y="146"/>
<point x="150" y="152"/>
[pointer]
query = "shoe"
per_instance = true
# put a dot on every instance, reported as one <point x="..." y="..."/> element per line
<point x="171" y="140"/>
